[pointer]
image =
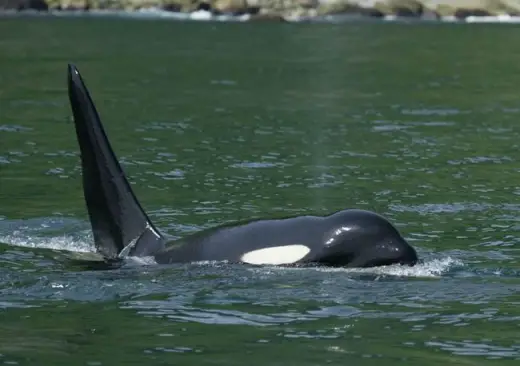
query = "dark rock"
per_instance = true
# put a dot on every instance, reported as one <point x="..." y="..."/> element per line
<point x="350" y="9"/>
<point x="19" y="5"/>
<point x="371" y="12"/>
<point x="464" y="13"/>
<point x="407" y="12"/>
<point x="401" y="8"/>
<point x="204" y="6"/>
<point x="174" y="8"/>
<point x="253" y="10"/>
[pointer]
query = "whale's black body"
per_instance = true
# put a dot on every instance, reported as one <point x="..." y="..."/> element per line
<point x="350" y="238"/>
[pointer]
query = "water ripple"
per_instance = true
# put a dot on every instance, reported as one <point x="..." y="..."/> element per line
<point x="470" y="348"/>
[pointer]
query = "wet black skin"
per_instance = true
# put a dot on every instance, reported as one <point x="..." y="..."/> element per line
<point x="348" y="238"/>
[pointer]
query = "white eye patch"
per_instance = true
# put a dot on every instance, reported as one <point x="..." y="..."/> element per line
<point x="285" y="254"/>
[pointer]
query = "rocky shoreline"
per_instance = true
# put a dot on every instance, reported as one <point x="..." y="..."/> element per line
<point x="502" y="10"/>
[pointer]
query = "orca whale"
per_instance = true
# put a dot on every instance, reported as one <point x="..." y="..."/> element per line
<point x="121" y="228"/>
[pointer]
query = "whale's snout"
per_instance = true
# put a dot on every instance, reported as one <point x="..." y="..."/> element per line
<point x="365" y="239"/>
<point x="405" y="253"/>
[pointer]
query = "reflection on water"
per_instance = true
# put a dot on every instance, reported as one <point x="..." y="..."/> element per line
<point x="469" y="348"/>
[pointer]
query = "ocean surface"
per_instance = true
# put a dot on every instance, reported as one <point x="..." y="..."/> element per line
<point x="219" y="122"/>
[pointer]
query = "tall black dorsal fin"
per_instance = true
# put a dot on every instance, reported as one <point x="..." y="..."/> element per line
<point x="119" y="223"/>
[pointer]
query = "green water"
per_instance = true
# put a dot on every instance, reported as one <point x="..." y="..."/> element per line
<point x="220" y="122"/>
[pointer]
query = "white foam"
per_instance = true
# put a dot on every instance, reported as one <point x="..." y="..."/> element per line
<point x="433" y="268"/>
<point x="209" y="263"/>
<point x="201" y="15"/>
<point x="140" y="261"/>
<point x="63" y="242"/>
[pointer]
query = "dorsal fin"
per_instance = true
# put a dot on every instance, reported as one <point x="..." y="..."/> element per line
<point x="119" y="223"/>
